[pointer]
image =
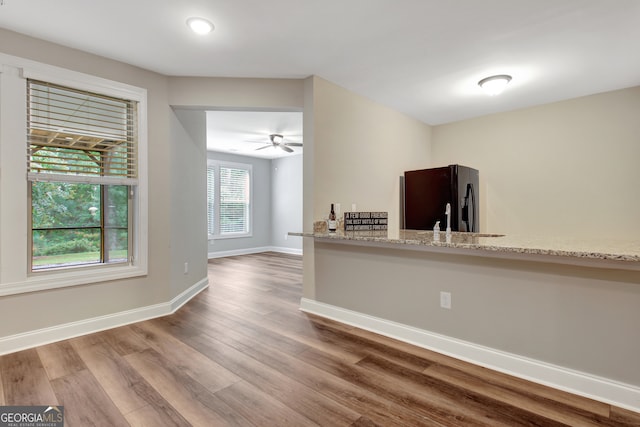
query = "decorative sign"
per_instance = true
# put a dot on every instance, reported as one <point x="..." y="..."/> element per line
<point x="365" y="221"/>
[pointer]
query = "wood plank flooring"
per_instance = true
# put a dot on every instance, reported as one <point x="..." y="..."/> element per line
<point x="242" y="354"/>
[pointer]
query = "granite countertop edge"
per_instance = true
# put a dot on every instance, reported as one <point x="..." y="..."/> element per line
<point x="597" y="249"/>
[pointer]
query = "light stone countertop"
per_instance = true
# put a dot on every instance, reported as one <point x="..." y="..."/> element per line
<point x="625" y="253"/>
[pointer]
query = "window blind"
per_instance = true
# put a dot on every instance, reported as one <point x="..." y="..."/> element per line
<point x="234" y="200"/>
<point x="80" y="136"/>
<point x="211" y="193"/>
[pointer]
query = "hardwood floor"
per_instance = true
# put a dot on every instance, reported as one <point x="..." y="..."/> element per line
<point x="241" y="353"/>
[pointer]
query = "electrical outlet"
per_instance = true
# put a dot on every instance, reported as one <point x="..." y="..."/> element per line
<point x="337" y="209"/>
<point x="445" y="300"/>
<point x="353" y="207"/>
<point x="286" y="236"/>
<point x="186" y="268"/>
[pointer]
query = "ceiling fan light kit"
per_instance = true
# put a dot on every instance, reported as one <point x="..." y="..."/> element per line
<point x="277" y="141"/>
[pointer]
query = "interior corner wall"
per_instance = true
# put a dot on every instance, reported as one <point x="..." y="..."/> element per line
<point x="360" y="150"/>
<point x="242" y="94"/>
<point x="286" y="203"/>
<point x="78" y="304"/>
<point x="308" y="188"/>
<point x="189" y="206"/>
<point x="568" y="168"/>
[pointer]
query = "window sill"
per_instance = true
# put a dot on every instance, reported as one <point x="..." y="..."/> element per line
<point x="41" y="281"/>
<point x="231" y="236"/>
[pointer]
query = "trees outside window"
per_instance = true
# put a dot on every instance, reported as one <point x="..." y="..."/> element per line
<point x="82" y="171"/>
<point x="75" y="224"/>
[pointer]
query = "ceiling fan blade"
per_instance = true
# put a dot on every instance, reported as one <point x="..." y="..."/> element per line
<point x="293" y="144"/>
<point x="262" y="148"/>
<point x="285" y="148"/>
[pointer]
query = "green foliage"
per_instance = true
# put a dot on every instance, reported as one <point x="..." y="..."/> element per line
<point x="63" y="204"/>
<point x="79" y="258"/>
<point x="66" y="218"/>
<point x="57" y="242"/>
<point x="73" y="246"/>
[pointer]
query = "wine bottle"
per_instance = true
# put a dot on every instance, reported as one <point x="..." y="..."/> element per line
<point x="332" y="220"/>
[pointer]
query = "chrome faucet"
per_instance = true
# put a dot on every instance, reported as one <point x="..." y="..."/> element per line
<point x="447" y="212"/>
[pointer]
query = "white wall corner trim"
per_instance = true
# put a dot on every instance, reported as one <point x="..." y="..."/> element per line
<point x="580" y="383"/>
<point x="65" y="331"/>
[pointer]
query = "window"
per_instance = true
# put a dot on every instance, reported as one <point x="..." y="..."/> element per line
<point x="82" y="171"/>
<point x="228" y="199"/>
<point x="74" y="187"/>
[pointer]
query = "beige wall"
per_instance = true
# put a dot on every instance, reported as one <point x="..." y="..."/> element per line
<point x="355" y="152"/>
<point x="567" y="168"/>
<point x="189" y="162"/>
<point x="237" y="93"/>
<point x="177" y="162"/>
<point x="308" y="187"/>
<point x="33" y="311"/>
<point x="564" y="168"/>
<point x="580" y="318"/>
<point x="360" y="149"/>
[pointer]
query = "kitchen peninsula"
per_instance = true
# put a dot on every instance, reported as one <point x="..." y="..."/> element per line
<point x="546" y="309"/>
<point x="592" y="252"/>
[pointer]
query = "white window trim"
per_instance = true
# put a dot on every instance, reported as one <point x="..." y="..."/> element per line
<point x="14" y="275"/>
<point x="246" y="166"/>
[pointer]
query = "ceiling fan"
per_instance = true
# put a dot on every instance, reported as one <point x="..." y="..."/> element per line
<point x="277" y="142"/>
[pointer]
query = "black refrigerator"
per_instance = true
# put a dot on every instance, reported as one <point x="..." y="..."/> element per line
<point x="427" y="192"/>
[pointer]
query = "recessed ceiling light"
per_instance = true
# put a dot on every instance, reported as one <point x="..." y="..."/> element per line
<point x="494" y="85"/>
<point x="200" y="25"/>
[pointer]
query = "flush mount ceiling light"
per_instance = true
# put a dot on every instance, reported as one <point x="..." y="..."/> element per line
<point x="200" y="25"/>
<point x="494" y="85"/>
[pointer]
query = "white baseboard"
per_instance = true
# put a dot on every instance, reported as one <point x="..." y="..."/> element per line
<point x="65" y="331"/>
<point x="283" y="250"/>
<point x="580" y="383"/>
<point x="249" y="251"/>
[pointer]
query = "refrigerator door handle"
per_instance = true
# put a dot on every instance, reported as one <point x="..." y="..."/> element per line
<point x="465" y="208"/>
<point x="474" y="226"/>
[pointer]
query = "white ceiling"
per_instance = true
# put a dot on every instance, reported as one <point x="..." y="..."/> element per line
<point x="421" y="57"/>
<point x="244" y="132"/>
